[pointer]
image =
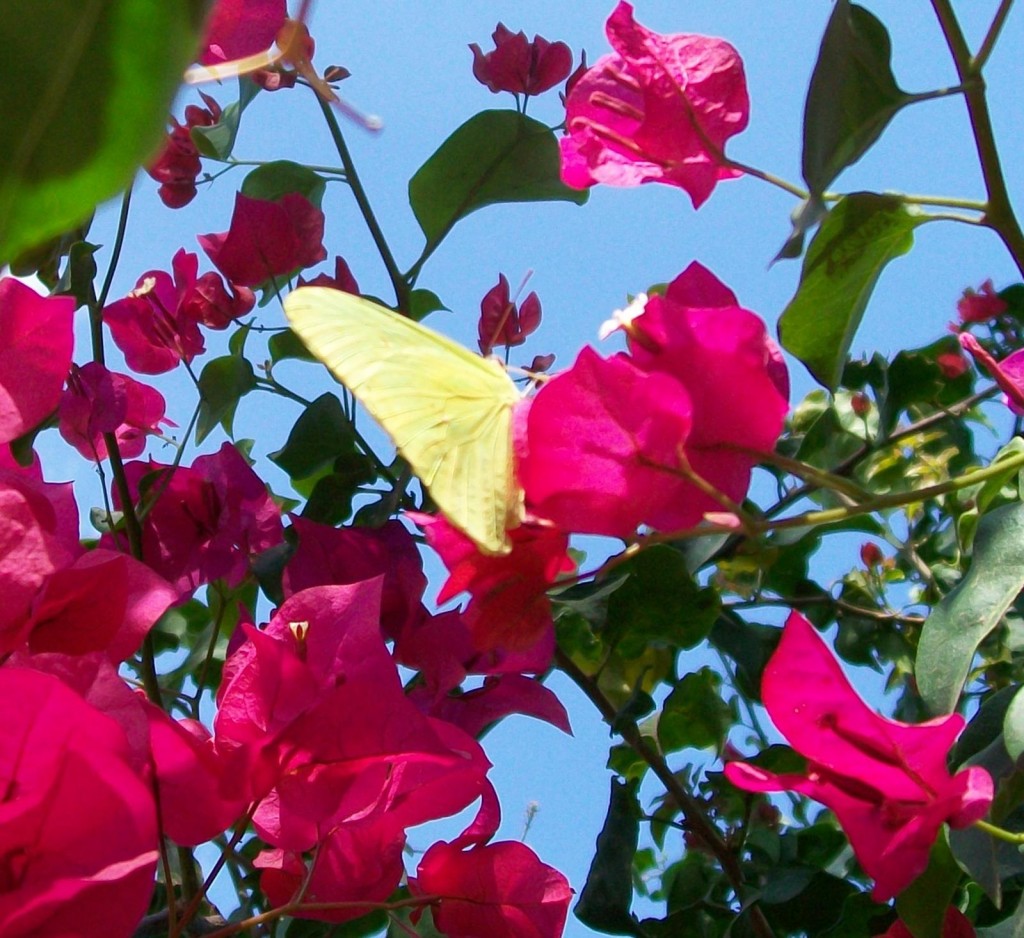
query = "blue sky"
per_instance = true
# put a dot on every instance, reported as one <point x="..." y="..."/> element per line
<point x="410" y="64"/>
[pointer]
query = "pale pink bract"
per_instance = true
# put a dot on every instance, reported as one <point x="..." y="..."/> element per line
<point x="658" y="109"/>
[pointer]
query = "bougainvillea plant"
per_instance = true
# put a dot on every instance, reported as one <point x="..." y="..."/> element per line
<point x="241" y="699"/>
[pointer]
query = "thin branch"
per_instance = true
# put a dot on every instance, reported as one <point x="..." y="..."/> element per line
<point x="398" y="282"/>
<point x="988" y="43"/>
<point x="695" y="820"/>
<point x="1000" y="216"/>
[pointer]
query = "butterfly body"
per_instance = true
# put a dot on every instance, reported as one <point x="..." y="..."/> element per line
<point x="447" y="410"/>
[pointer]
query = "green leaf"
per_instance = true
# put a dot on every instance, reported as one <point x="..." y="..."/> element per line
<point x="852" y="95"/>
<point x="694" y="715"/>
<point x="922" y="905"/>
<point x="1012" y="927"/>
<point x="688" y="882"/>
<point x="85" y="87"/>
<point x="330" y="502"/>
<point x="1013" y="727"/>
<point x="857" y="916"/>
<point x="856" y="240"/>
<point x="44" y="260"/>
<point x="287" y="344"/>
<point x="750" y="645"/>
<point x="320" y="435"/>
<point x="985" y="726"/>
<point x="218" y="140"/>
<point x="815" y="906"/>
<point x="223" y="383"/>
<point x="422" y="303"/>
<point x="608" y="893"/>
<point x="401" y="925"/>
<point x="273" y="181"/>
<point x="659" y="603"/>
<point x="496" y="156"/>
<point x="972" y="609"/>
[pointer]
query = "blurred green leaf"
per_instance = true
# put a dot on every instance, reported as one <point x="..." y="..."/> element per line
<point x="222" y="384"/>
<point x="401" y="925"/>
<point x="804" y="900"/>
<point x="861" y="234"/>
<point x="985" y="726"/>
<point x="1012" y="927"/>
<point x="85" y="87"/>
<point x="957" y="625"/>
<point x="496" y="156"/>
<point x="852" y="94"/>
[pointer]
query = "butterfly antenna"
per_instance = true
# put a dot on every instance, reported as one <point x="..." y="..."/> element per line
<point x="370" y="122"/>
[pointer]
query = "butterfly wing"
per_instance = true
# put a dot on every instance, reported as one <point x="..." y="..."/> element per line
<point x="448" y="411"/>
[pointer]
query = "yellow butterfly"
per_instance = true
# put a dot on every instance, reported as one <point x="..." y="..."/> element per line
<point x="448" y="411"/>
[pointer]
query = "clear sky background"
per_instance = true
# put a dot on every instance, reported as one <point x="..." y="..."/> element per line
<point x="410" y="64"/>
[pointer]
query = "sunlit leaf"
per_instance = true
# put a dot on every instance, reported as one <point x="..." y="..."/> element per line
<point x="496" y="156"/>
<point x="844" y="261"/>
<point x="852" y="94"/>
<point x="964" y="617"/>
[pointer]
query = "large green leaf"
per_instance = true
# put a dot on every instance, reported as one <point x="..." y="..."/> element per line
<point x="972" y="609"/>
<point x="496" y="156"/>
<point x="857" y="239"/>
<point x="852" y="95"/>
<point x="85" y="87"/>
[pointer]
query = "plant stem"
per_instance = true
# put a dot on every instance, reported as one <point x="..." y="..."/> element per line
<point x="115" y="256"/>
<point x="1008" y="836"/>
<point x="695" y="819"/>
<point x="989" y="42"/>
<point x="999" y="215"/>
<point x="896" y="499"/>
<point x="398" y="282"/>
